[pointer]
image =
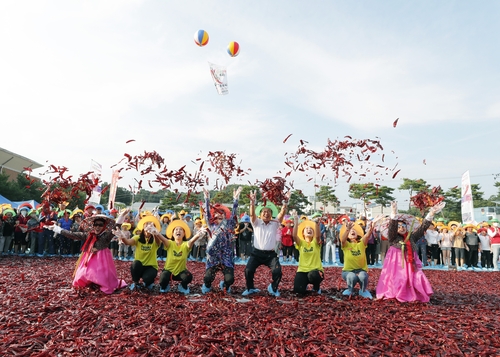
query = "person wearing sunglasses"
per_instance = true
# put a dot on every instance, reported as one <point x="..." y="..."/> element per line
<point x="95" y="265"/>
<point x="220" y="252"/>
<point x="402" y="277"/>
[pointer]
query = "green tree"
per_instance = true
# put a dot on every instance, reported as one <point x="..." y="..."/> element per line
<point x="9" y="189"/>
<point x="453" y="199"/>
<point x="383" y="196"/>
<point x="298" y="201"/>
<point x="368" y="192"/>
<point x="326" y="195"/>
<point x="413" y="186"/>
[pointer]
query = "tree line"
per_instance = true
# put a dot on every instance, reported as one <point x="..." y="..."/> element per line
<point x="22" y="190"/>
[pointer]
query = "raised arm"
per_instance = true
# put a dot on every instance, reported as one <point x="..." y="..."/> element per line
<point x="295" y="235"/>
<point x="234" y="213"/>
<point x="160" y="238"/>
<point x="68" y="234"/>
<point x="201" y="232"/>
<point x="253" y="197"/>
<point x="123" y="238"/>
<point x="206" y="207"/>
<point x="369" y="230"/>
<point x="343" y="237"/>
<point x="284" y="208"/>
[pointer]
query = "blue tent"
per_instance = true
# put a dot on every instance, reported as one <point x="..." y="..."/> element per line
<point x="4" y="200"/>
<point x="33" y="203"/>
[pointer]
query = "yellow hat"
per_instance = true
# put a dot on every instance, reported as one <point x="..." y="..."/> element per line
<point x="76" y="211"/>
<point x="127" y="226"/>
<point x="469" y="226"/>
<point x="178" y="223"/>
<point x="443" y="226"/>
<point x="356" y="227"/>
<point x="360" y="222"/>
<point x="145" y="213"/>
<point x="146" y="219"/>
<point x="168" y="215"/>
<point x="303" y="225"/>
<point x="453" y="223"/>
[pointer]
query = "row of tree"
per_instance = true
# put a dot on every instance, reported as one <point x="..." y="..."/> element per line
<point x="21" y="190"/>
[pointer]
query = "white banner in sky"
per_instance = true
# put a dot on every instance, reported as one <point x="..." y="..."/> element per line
<point x="219" y="75"/>
<point x="95" y="198"/>
<point x="467" y="204"/>
<point x="112" y="188"/>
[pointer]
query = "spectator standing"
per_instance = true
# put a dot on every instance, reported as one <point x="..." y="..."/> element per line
<point x="245" y="237"/>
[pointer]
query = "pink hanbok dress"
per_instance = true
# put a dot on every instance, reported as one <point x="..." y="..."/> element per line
<point x="402" y="277"/>
<point x="96" y="264"/>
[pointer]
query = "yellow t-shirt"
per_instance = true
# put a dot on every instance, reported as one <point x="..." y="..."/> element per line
<point x="146" y="253"/>
<point x="354" y="256"/>
<point x="310" y="256"/>
<point x="176" y="257"/>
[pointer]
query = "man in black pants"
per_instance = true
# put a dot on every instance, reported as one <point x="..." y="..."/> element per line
<point x="265" y="237"/>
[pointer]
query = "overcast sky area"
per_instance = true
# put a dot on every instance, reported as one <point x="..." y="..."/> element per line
<point x="80" y="78"/>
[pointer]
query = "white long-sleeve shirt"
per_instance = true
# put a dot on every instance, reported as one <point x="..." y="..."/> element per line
<point x="432" y="237"/>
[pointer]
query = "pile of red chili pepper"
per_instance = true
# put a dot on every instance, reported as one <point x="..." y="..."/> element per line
<point x="339" y="156"/>
<point x="426" y="199"/>
<point x="42" y="315"/>
<point x="224" y="165"/>
<point x="273" y="190"/>
<point x="61" y="188"/>
<point x="153" y="163"/>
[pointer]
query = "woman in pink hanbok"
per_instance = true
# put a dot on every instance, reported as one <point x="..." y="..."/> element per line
<point x="95" y="265"/>
<point x="402" y="277"/>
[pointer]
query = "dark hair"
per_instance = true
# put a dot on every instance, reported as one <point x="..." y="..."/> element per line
<point x="100" y="220"/>
<point x="142" y="237"/>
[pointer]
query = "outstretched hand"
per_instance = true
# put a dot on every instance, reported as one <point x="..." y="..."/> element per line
<point x="55" y="228"/>
<point x="206" y="193"/>
<point x="438" y="208"/>
<point x="253" y="196"/>
<point x="394" y="207"/>
<point x="118" y="233"/>
<point x="236" y="193"/>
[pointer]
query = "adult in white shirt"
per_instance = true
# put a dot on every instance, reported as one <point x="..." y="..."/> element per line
<point x="432" y="238"/>
<point x="265" y="238"/>
<point x="485" y="249"/>
<point x="445" y="242"/>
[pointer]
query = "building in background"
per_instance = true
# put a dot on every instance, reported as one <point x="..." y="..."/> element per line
<point x="12" y="164"/>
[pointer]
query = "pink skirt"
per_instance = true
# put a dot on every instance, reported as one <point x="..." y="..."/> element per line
<point x="401" y="283"/>
<point x="98" y="269"/>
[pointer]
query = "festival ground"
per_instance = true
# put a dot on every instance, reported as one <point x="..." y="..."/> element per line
<point x="42" y="315"/>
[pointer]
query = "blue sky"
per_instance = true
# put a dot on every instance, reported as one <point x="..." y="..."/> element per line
<point x="79" y="79"/>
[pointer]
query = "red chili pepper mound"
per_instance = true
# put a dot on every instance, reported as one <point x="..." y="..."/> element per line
<point x="42" y="315"/>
